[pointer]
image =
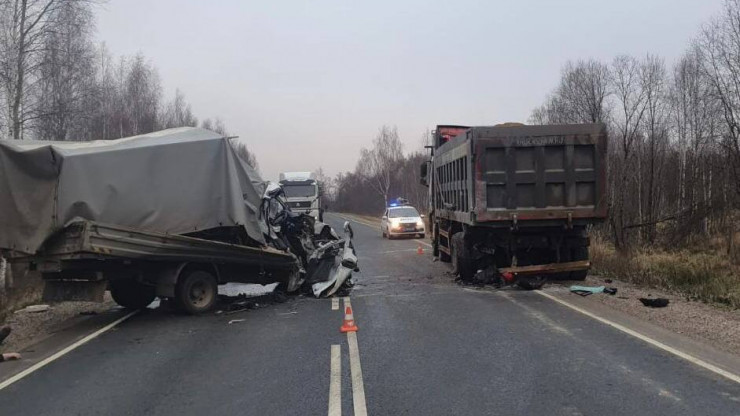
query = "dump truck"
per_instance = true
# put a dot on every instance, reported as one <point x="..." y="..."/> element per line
<point x="169" y="214"/>
<point x="514" y="201"/>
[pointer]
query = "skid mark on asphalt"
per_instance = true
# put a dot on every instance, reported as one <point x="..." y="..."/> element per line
<point x="335" y="382"/>
<point x="423" y="242"/>
<point x="650" y="383"/>
<point x="536" y="314"/>
<point x="397" y="251"/>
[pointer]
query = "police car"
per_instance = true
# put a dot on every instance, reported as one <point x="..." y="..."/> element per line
<point x="401" y="219"/>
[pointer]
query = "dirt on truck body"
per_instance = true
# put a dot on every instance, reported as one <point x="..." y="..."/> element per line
<point x="511" y="203"/>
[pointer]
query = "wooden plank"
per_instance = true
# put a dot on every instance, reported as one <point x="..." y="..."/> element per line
<point x="548" y="268"/>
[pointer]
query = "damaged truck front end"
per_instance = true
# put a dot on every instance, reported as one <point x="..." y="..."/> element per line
<point x="326" y="259"/>
<point x="118" y="215"/>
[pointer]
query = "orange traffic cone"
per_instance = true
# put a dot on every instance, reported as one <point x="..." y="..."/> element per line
<point x="419" y="250"/>
<point x="349" y="321"/>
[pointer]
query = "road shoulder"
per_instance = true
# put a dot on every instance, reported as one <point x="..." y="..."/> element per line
<point x="70" y="332"/>
<point x="648" y="331"/>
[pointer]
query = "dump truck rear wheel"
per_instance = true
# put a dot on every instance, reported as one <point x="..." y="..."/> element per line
<point x="131" y="294"/>
<point x="462" y="263"/>
<point x="196" y="291"/>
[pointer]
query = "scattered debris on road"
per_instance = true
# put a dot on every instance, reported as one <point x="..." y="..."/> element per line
<point x="590" y="290"/>
<point x="714" y="324"/>
<point x="34" y="309"/>
<point x="9" y="356"/>
<point x="4" y="333"/>
<point x="233" y="321"/>
<point x="655" y="303"/>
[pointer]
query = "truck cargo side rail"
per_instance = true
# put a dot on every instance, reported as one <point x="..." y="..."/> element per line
<point x="92" y="240"/>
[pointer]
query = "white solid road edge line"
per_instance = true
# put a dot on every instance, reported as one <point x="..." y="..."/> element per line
<point x="64" y="351"/>
<point x="681" y="354"/>
<point x="335" y="382"/>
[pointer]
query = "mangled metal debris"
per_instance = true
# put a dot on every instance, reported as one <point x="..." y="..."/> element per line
<point x="326" y="259"/>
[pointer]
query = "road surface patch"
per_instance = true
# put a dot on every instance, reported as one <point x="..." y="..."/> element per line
<point x="423" y="242"/>
<point x="651" y="341"/>
<point x="64" y="351"/>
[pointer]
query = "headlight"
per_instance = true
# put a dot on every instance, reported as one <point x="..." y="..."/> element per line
<point x="419" y="223"/>
<point x="395" y="223"/>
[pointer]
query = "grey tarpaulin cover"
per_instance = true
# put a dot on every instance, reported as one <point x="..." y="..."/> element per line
<point x="173" y="181"/>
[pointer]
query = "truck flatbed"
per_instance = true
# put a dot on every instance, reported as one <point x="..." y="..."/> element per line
<point x="88" y="240"/>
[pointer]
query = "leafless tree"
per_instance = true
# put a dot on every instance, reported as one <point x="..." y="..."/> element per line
<point x="379" y="163"/>
<point x="719" y="50"/>
<point x="24" y="26"/>
<point x="243" y="152"/>
<point x="653" y="75"/>
<point x="581" y="96"/>
<point x="630" y="96"/>
<point x="178" y="113"/>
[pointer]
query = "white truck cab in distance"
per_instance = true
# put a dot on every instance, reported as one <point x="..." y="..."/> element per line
<point x="302" y="193"/>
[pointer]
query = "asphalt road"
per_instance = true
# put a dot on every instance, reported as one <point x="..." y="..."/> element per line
<point x="426" y="346"/>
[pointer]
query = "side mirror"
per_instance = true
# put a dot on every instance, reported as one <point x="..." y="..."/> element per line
<point x="423" y="172"/>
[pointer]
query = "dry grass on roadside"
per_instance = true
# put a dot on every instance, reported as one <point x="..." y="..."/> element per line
<point x="707" y="276"/>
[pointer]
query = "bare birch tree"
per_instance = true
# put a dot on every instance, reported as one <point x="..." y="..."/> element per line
<point x="630" y="97"/>
<point x="379" y="163"/>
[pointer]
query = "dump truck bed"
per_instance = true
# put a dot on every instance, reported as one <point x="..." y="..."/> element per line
<point x="537" y="174"/>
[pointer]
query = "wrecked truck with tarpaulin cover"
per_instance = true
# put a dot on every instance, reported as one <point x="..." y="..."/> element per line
<point x="169" y="214"/>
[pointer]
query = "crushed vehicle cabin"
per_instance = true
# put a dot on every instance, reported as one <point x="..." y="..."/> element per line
<point x="169" y="214"/>
<point x="511" y="203"/>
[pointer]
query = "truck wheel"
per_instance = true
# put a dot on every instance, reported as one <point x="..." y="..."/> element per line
<point x="196" y="291"/>
<point x="132" y="294"/>
<point x="462" y="263"/>
<point x="579" y="254"/>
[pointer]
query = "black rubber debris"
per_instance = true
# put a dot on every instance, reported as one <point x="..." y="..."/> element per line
<point x="4" y="333"/>
<point x="655" y="303"/>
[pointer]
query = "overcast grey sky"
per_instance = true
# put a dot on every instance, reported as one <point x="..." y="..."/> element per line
<point x="307" y="83"/>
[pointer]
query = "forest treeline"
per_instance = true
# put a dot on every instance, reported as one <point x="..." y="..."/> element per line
<point x="674" y="141"/>
<point x="674" y="135"/>
<point x="58" y="83"/>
